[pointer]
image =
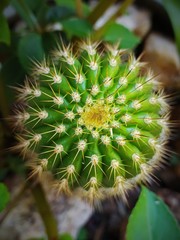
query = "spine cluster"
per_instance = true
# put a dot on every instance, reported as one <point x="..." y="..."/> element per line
<point x="93" y="120"/>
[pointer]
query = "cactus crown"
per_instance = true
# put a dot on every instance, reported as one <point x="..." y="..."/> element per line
<point x="93" y="120"/>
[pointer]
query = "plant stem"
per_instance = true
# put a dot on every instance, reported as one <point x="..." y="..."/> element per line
<point x="101" y="7"/>
<point x="42" y="205"/>
<point x="122" y="9"/>
<point x="25" y="12"/>
<point x="14" y="202"/>
<point x="79" y="9"/>
<point x="45" y="212"/>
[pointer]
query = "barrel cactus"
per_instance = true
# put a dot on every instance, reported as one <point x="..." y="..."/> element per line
<point x="92" y="119"/>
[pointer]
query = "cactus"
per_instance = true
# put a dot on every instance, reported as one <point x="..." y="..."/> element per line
<point x="93" y="120"/>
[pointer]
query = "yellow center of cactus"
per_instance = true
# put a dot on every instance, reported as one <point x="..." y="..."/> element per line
<point x="96" y="115"/>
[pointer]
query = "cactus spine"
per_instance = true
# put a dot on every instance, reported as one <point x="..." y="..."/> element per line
<point x="93" y="120"/>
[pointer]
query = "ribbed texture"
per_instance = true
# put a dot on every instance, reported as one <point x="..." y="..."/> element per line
<point x="93" y="120"/>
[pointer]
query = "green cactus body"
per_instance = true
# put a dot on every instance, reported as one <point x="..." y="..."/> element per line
<point x="93" y="121"/>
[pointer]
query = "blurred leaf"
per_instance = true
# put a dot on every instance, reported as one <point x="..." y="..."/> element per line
<point x="82" y="234"/>
<point x="16" y="165"/>
<point x="4" y="32"/>
<point x="174" y="159"/>
<point x="76" y="27"/>
<point x="10" y="75"/>
<point x="12" y="164"/>
<point x="99" y="10"/>
<point x="26" y="13"/>
<point x="4" y="110"/>
<point x="151" y="220"/>
<point x="173" y="9"/>
<point x="67" y="3"/>
<point x="65" y="236"/>
<point x="116" y="32"/>
<point x="34" y="5"/>
<point x="42" y="16"/>
<point x="39" y="9"/>
<point x="72" y="4"/>
<point x="30" y="48"/>
<point x="57" y="13"/>
<point x="4" y="196"/>
<point x="49" y="41"/>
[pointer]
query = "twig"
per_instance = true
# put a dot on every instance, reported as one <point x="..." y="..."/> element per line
<point x="97" y="12"/>
<point x="122" y="9"/>
<point x="42" y="205"/>
<point x="45" y="212"/>
<point x="79" y="8"/>
<point x="14" y="202"/>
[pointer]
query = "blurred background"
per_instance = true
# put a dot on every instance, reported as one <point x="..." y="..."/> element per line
<point x="29" y="30"/>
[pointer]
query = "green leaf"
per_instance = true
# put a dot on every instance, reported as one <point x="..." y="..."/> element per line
<point x="34" y="5"/>
<point x="11" y="74"/>
<point x="4" y="32"/>
<point x="67" y="3"/>
<point x="77" y="27"/>
<point x="116" y="32"/>
<point x="38" y="9"/>
<point x="24" y="10"/>
<point x="82" y="234"/>
<point x="57" y="13"/>
<point x="30" y="48"/>
<point x="173" y="9"/>
<point x="65" y="236"/>
<point x="151" y="220"/>
<point x="4" y="196"/>
<point x="49" y="41"/>
<point x="72" y="4"/>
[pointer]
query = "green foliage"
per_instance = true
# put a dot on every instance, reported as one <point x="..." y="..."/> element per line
<point x="151" y="220"/>
<point x="48" y="41"/>
<point x="24" y="10"/>
<point x="65" y="236"/>
<point x="116" y="32"/>
<point x="57" y="13"/>
<point x="30" y="49"/>
<point x="13" y="164"/>
<point x="72" y="5"/>
<point x="77" y="27"/>
<point x="82" y="234"/>
<point x="33" y="5"/>
<point x="173" y="9"/>
<point x="7" y="76"/>
<point x="4" y="196"/>
<point x="4" y="32"/>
